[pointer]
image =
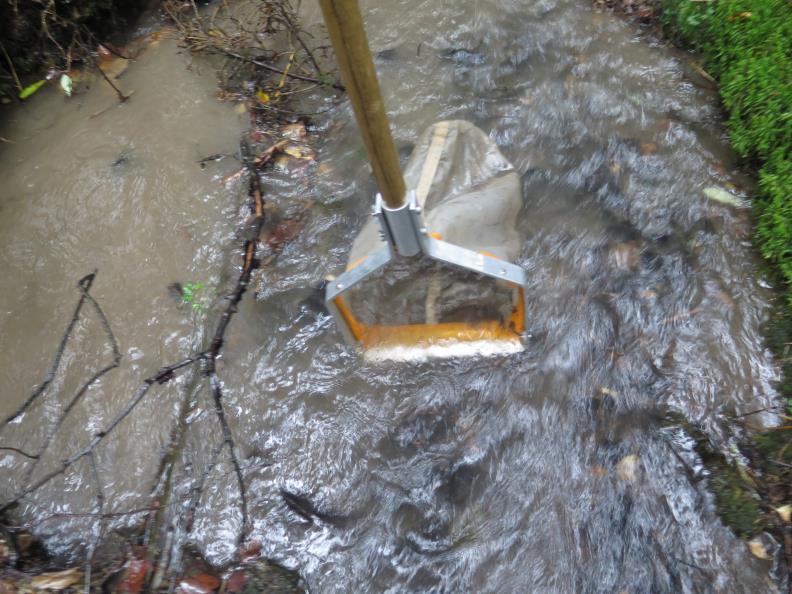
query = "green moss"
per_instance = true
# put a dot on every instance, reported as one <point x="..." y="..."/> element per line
<point x="747" y="45"/>
<point x="737" y="507"/>
<point x="738" y="502"/>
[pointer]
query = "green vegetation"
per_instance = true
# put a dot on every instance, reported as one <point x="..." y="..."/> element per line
<point x="190" y="294"/>
<point x="747" y="46"/>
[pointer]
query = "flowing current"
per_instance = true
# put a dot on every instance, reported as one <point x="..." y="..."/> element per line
<point x="562" y="469"/>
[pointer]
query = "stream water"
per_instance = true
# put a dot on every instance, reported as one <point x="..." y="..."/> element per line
<point x="560" y="469"/>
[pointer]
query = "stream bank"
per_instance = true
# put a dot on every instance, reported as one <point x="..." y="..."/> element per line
<point x="744" y="50"/>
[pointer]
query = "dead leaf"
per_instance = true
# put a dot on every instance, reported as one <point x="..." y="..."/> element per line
<point x="724" y="298"/>
<point x="284" y="232"/>
<point x="758" y="550"/>
<point x="265" y="156"/>
<point x="7" y="588"/>
<point x="57" y="580"/>
<point x="203" y="583"/>
<point x="722" y="196"/>
<point x="294" y="131"/>
<point x="648" y="149"/>
<point x="627" y="468"/>
<point x="105" y="55"/>
<point x="24" y="541"/>
<point x="7" y="555"/>
<point x="114" y="67"/>
<point x="282" y="162"/>
<point x="134" y="577"/>
<point x="250" y="550"/>
<point x="155" y="37"/>
<point x="681" y="316"/>
<point x="609" y="392"/>
<point x="300" y="152"/>
<point x="599" y="471"/>
<point x="236" y="582"/>
<point x="626" y="256"/>
<point x="785" y="512"/>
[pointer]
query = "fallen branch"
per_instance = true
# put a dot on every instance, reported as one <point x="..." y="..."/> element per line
<point x="18" y="451"/>
<point x="85" y="285"/>
<point x="336" y="85"/>
<point x="121" y="97"/>
<point x="162" y="376"/>
<point x="91" y="381"/>
<point x="249" y="264"/>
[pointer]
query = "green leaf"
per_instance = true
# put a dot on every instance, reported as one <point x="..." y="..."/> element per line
<point x="66" y="84"/>
<point x="30" y="89"/>
<point x="722" y="196"/>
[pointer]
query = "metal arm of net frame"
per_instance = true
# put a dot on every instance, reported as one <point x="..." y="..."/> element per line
<point x="406" y="235"/>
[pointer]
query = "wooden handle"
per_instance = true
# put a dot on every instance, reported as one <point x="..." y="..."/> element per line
<point x="345" y="26"/>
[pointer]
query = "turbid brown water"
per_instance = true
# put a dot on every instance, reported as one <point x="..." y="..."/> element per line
<point x="559" y="469"/>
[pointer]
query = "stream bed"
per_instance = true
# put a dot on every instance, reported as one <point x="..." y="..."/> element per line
<point x="561" y="469"/>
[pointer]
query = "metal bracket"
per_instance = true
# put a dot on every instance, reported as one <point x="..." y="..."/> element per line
<point x="405" y="235"/>
<point x="400" y="227"/>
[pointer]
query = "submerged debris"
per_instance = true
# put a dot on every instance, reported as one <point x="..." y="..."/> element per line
<point x="724" y="197"/>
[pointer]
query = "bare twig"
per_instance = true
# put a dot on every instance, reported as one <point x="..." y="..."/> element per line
<point x="271" y="68"/>
<point x="121" y="97"/>
<point x="754" y="412"/>
<point x="92" y="380"/>
<point x="198" y="488"/>
<point x="18" y="451"/>
<point x="65" y="515"/>
<point x="162" y="376"/>
<point x="11" y="67"/>
<point x="85" y="285"/>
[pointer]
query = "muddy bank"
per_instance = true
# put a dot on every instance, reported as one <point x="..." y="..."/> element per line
<point x="120" y="566"/>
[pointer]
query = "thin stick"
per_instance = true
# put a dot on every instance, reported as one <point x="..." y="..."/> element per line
<point x="85" y="285"/>
<point x="265" y="66"/>
<point x="11" y="66"/>
<point x="197" y="490"/>
<point x="294" y="29"/>
<point x="754" y="412"/>
<point x="93" y="379"/>
<point x="96" y="114"/>
<point x="121" y="97"/>
<point x="18" y="451"/>
<point x="61" y="515"/>
<point x="100" y="501"/>
<point x="162" y="376"/>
